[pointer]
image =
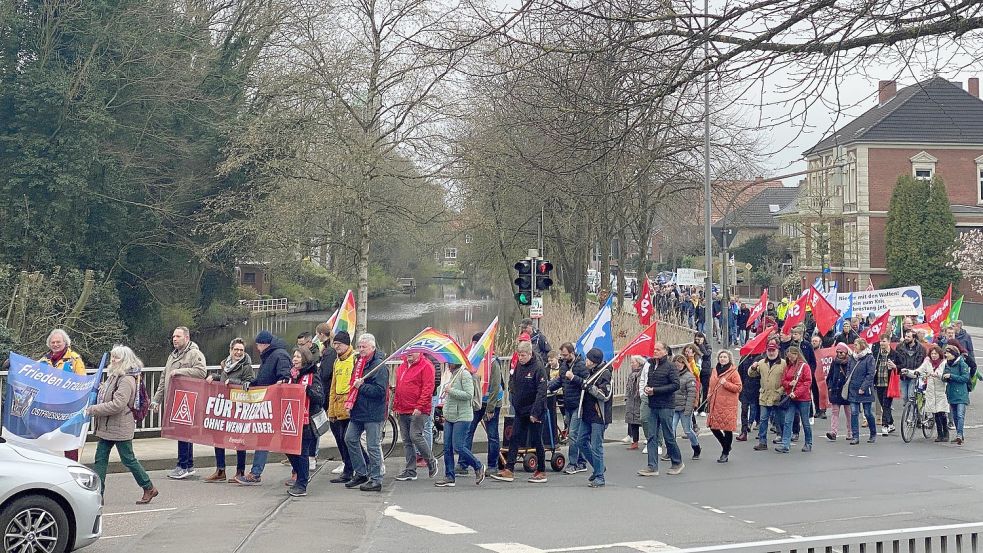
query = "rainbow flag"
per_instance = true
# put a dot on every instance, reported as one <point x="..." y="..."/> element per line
<point x="333" y="318"/>
<point x="927" y="328"/>
<point x="436" y="344"/>
<point x="481" y="355"/>
<point x="344" y="318"/>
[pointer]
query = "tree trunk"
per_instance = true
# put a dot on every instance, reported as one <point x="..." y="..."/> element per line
<point x="363" y="277"/>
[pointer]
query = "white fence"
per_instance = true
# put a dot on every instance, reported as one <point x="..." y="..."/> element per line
<point x="277" y="305"/>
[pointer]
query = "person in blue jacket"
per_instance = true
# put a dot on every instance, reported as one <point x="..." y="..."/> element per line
<point x="368" y="413"/>
<point x="274" y="366"/>
<point x="860" y="382"/>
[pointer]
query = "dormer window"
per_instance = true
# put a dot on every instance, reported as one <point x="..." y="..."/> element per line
<point x="923" y="165"/>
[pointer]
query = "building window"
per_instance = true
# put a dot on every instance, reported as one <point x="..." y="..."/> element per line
<point x="249" y="278"/>
<point x="923" y="165"/>
<point x="923" y="174"/>
<point x="468" y="239"/>
<point x="979" y="180"/>
<point x="450" y="253"/>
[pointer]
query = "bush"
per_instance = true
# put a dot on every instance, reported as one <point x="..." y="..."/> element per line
<point x="293" y="291"/>
<point x="218" y="315"/>
<point x="248" y="293"/>
<point x="175" y="315"/>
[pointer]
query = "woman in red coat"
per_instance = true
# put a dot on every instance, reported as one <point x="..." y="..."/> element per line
<point x="797" y="383"/>
<point x="723" y="402"/>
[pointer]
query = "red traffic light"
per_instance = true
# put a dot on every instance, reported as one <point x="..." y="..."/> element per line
<point x="544" y="268"/>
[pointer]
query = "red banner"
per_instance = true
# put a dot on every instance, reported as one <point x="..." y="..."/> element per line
<point x="881" y="325"/>
<point x="824" y="361"/>
<point x="644" y="304"/>
<point x="758" y="309"/>
<point x="211" y="413"/>
<point x="935" y="314"/>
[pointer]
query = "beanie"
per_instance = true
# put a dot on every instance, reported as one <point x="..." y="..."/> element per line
<point x="842" y="347"/>
<point x="342" y="337"/>
<point x="595" y="355"/>
<point x="264" y="337"/>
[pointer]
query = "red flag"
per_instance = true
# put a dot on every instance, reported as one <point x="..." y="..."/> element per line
<point x="935" y="314"/>
<point x="758" y="309"/>
<point x="825" y="314"/>
<point x="644" y="304"/>
<point x="872" y="334"/>
<point x="643" y="344"/>
<point x="757" y="344"/>
<point x="796" y="314"/>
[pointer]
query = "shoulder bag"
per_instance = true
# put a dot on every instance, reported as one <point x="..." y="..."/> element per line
<point x="785" y="400"/>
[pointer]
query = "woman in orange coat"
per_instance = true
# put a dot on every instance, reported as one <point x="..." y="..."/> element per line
<point x="723" y="402"/>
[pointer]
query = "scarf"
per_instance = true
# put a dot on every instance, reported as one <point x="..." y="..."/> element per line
<point x="693" y="367"/>
<point x="721" y="369"/>
<point x="356" y="374"/>
<point x="56" y="357"/>
<point x="936" y="364"/>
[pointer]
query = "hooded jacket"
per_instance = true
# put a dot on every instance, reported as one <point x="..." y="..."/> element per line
<point x="274" y="364"/>
<point x="414" y="387"/>
<point x="111" y="416"/>
<point x="684" y="400"/>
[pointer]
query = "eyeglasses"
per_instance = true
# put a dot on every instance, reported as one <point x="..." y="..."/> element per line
<point x="238" y="350"/>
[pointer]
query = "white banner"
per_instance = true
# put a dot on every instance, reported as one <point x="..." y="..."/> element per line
<point x="900" y="301"/>
<point x="690" y="277"/>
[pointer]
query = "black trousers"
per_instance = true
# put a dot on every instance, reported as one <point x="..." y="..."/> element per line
<point x="886" y="416"/>
<point x="633" y="431"/>
<point x="524" y="429"/>
<point x="726" y="439"/>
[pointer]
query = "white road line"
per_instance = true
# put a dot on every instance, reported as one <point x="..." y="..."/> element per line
<point x="775" y="530"/>
<point x="427" y="522"/>
<point x="510" y="548"/>
<point x="141" y="512"/>
<point x="718" y="511"/>
<point x="226" y="504"/>
<point x="643" y="546"/>
<point x="784" y="503"/>
<point x="114" y="537"/>
<point x="883" y="515"/>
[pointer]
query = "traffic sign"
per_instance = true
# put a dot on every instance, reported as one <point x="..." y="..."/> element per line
<point x="748" y="266"/>
<point x="536" y="309"/>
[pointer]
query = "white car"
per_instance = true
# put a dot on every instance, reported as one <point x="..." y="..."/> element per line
<point x="48" y="504"/>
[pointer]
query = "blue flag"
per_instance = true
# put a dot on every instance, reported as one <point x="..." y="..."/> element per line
<point x="598" y="334"/>
<point x="44" y="407"/>
<point x="847" y="314"/>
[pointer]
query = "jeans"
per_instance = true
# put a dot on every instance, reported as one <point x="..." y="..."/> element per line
<point x="411" y="429"/>
<point x="301" y="463"/>
<point x="240" y="460"/>
<point x="679" y="417"/>
<point x="338" y="429"/>
<point x="524" y="429"/>
<point x="126" y="456"/>
<point x="592" y="442"/>
<point x="259" y="462"/>
<point x="958" y="411"/>
<point x="574" y="454"/>
<point x="908" y="388"/>
<point x="368" y="464"/>
<point x="491" y="430"/>
<point x="428" y="427"/>
<point x="802" y="408"/>
<point x="660" y="421"/>
<point x="185" y="455"/>
<point x="855" y="419"/>
<point x="769" y="414"/>
<point x="455" y="441"/>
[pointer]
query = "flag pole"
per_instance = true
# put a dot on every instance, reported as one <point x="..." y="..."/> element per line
<point x="93" y="396"/>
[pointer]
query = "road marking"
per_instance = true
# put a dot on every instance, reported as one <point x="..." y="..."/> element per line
<point x="884" y="515"/>
<point x="114" y="537"/>
<point x="226" y="504"/>
<point x="427" y="522"/>
<point x="141" y="512"/>
<point x="775" y="530"/>
<point x="783" y="503"/>
<point x="643" y="546"/>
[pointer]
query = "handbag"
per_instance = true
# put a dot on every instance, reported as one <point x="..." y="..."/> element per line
<point x="894" y="385"/>
<point x="785" y="400"/>
<point x="320" y="423"/>
<point x="845" y="392"/>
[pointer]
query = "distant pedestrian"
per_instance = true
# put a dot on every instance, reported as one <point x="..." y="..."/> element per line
<point x="303" y="371"/>
<point x="956" y="376"/>
<point x="725" y="388"/>
<point x="860" y="383"/>
<point x="62" y="357"/>
<point x="113" y="422"/>
<point x="491" y="406"/>
<point x="839" y="400"/>
<point x="274" y="367"/>
<point x="234" y="370"/>
<point x="371" y="378"/>
<point x="633" y="401"/>
<point x="527" y="392"/>
<point x="185" y="360"/>
<point x="770" y="370"/>
<point x="907" y="357"/>
<point x="458" y="414"/>
<point x="540" y="345"/>
<point x="411" y="403"/>
<point x="684" y="402"/>
<point x="660" y="387"/>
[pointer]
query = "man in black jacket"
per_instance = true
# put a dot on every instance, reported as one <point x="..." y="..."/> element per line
<point x="527" y="391"/>
<point x="907" y="356"/>
<point x="661" y="386"/>
<point x="274" y="366"/>
<point x="595" y="412"/>
<point x="570" y="362"/>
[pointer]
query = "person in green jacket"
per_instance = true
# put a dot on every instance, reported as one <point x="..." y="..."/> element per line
<point x="956" y="376"/>
<point x="458" y="412"/>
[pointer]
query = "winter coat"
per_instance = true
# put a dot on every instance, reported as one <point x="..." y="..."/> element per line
<point x="239" y="373"/>
<point x="633" y="402"/>
<point x="771" y="374"/>
<point x="908" y="357"/>
<point x="325" y="366"/>
<point x="663" y="378"/>
<point x="313" y="390"/>
<point x="684" y="400"/>
<point x="71" y="361"/>
<point x="750" y="387"/>
<point x="803" y="385"/>
<point x="459" y="390"/>
<point x="274" y="364"/>
<point x="847" y="338"/>
<point x="370" y="403"/>
<point x="835" y="381"/>
<point x="594" y="410"/>
<point x="957" y="389"/>
<point x="723" y="405"/>
<point x="571" y="390"/>
<point x="414" y="387"/>
<point x="337" y="392"/>
<point x="706" y="364"/>
<point x="527" y="389"/>
<point x="188" y="362"/>
<point x="936" y="399"/>
<point x="742" y="317"/>
<point x="540" y="346"/>
<point x="966" y="340"/>
<point x="496" y="388"/>
<point x="861" y="377"/>
<point x="111" y="416"/>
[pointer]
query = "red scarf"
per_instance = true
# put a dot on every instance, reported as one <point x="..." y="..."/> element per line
<point x="55" y="358"/>
<point x="356" y="374"/>
<point x="936" y="364"/>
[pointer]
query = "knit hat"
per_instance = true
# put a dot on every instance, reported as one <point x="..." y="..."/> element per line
<point x="842" y="347"/>
<point x="596" y="356"/>
<point x="525" y="337"/>
<point x="264" y="337"/>
<point x="954" y="350"/>
<point x="342" y="337"/>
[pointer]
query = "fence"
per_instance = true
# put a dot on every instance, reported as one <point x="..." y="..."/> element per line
<point x="278" y="305"/>
<point x="953" y="538"/>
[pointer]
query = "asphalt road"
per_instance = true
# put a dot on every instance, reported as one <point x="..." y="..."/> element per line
<point x="758" y="495"/>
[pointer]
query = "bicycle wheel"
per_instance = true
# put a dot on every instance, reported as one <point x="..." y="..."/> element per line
<point x="928" y="425"/>
<point x="389" y="435"/>
<point x="909" y="419"/>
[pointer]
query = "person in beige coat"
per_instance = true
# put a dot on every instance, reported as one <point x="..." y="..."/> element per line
<point x="185" y="360"/>
<point x="771" y="369"/>
<point x="113" y="422"/>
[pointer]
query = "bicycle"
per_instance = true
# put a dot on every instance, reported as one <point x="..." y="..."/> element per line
<point x="913" y="416"/>
<point x="390" y="435"/>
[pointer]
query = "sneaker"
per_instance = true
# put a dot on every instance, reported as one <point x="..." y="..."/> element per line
<point x="343" y="479"/>
<point x="356" y="481"/>
<point x="677" y="469"/>
<point x="538" y="477"/>
<point x="795" y="438"/>
<point x="461" y="471"/>
<point x="339" y="469"/>
<point x="777" y="440"/>
<point x="760" y="447"/>
<point x="890" y="428"/>
<point x="883" y="431"/>
<point x="807" y="448"/>
<point x="217" y="476"/>
<point x="178" y="474"/>
<point x="781" y="450"/>
<point x="596" y="483"/>
<point x="406" y="475"/>
<point x="648" y="471"/>
<point x="479" y="475"/>
<point x="574" y="469"/>
<point x="626" y="440"/>
<point x="830" y="436"/>
<point x="312" y="463"/>
<point x="444" y="483"/>
<point x="854" y="441"/>
<point x="664" y="458"/>
<point x="872" y="439"/>
<point x="290" y="482"/>
<point x="371" y="487"/>
<point x="297" y="491"/>
<point x="249" y="479"/>
<point x="503" y="475"/>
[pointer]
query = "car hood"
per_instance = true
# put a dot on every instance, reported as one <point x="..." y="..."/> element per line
<point x="39" y="456"/>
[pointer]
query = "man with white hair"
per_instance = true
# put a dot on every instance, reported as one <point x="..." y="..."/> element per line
<point x="370" y="380"/>
<point x="61" y="356"/>
<point x="185" y="360"/>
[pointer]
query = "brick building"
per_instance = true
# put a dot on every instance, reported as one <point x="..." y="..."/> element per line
<point x="933" y="127"/>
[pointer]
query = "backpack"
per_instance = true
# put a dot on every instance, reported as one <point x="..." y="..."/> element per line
<point x="141" y="404"/>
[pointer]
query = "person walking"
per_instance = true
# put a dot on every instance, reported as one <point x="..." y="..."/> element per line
<point x="906" y="358"/>
<point x="274" y="367"/>
<point x="770" y="370"/>
<point x="723" y="398"/>
<point x="936" y="396"/>
<point x="882" y="364"/>
<point x="491" y="407"/>
<point x="571" y="362"/>
<point x="660" y="387"/>
<point x="184" y="360"/>
<point x="303" y="371"/>
<point x="633" y="401"/>
<point x="527" y="393"/>
<point x="595" y="413"/>
<point x="956" y="377"/>
<point x="234" y="370"/>
<point x="839" y="400"/>
<point x="797" y="385"/>
<point x="684" y="402"/>
<point x="750" y="392"/>
<point x="702" y="356"/>
<point x="62" y="357"/>
<point x="370" y="378"/>
<point x="113" y="422"/>
<point x="458" y="395"/>
<point x="337" y="394"/>
<point x="411" y="403"/>
<point x="859" y="385"/>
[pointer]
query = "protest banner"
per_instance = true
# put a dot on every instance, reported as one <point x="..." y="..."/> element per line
<point x="874" y="301"/>
<point x="43" y="406"/>
<point x="211" y="413"/>
<point x="690" y="277"/>
<point x="824" y="360"/>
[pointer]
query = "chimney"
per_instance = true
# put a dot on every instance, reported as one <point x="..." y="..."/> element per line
<point x="885" y="91"/>
<point x="974" y="86"/>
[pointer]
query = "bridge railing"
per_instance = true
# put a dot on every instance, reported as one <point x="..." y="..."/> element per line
<point x="275" y="305"/>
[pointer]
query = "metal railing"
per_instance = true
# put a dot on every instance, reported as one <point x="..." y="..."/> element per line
<point x="952" y="538"/>
<point x="277" y="305"/>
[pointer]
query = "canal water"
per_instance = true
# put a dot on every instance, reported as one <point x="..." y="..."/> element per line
<point x="455" y="307"/>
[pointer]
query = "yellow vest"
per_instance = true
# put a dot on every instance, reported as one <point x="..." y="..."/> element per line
<point x="342" y="374"/>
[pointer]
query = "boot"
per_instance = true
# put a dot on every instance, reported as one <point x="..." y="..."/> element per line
<point x="148" y="496"/>
<point x="742" y="437"/>
<point x="217" y="476"/>
<point x="696" y="452"/>
<point x="633" y="446"/>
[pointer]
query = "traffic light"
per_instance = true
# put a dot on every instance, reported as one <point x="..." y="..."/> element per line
<point x="543" y="279"/>
<point x="524" y="282"/>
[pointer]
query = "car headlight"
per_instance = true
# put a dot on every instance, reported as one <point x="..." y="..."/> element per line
<point x="85" y="478"/>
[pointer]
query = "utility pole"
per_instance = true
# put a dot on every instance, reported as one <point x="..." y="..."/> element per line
<point x="707" y="205"/>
